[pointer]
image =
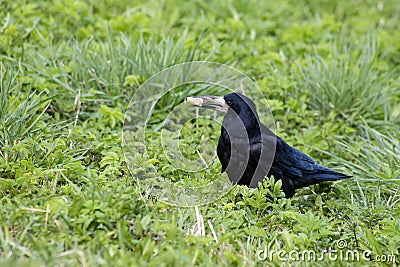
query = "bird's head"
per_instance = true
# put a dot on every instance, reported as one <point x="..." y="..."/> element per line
<point x="241" y="117"/>
<point x="240" y="104"/>
<point x="233" y="102"/>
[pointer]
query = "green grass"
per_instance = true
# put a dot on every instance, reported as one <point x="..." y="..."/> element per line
<point x="68" y="70"/>
<point x="349" y="87"/>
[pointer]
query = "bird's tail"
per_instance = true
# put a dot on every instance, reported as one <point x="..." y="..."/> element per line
<point x="319" y="176"/>
<point x="328" y="176"/>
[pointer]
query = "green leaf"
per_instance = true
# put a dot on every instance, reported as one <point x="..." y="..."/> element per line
<point x="373" y="242"/>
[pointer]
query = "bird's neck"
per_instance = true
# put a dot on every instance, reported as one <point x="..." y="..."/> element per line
<point x="242" y="125"/>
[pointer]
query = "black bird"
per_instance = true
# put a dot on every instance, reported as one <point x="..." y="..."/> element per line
<point x="249" y="151"/>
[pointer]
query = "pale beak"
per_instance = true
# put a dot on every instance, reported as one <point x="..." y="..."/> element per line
<point x="217" y="102"/>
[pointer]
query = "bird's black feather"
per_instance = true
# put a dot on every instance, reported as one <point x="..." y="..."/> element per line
<point x="249" y="151"/>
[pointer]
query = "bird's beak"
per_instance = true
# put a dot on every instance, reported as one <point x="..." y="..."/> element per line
<point x="217" y="102"/>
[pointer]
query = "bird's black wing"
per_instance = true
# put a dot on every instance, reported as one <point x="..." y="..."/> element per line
<point x="291" y="160"/>
<point x="300" y="168"/>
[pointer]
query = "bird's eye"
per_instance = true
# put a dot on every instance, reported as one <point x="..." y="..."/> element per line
<point x="229" y="102"/>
